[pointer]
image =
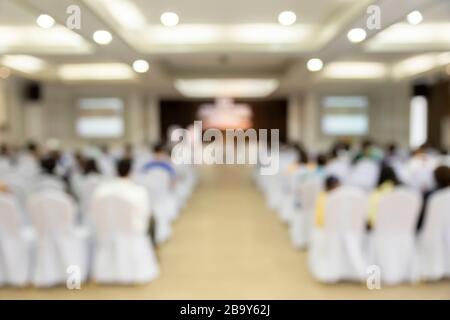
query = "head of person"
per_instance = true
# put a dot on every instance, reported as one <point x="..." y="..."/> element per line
<point x="48" y="165"/>
<point x="104" y="149"/>
<point x="124" y="167"/>
<point x="302" y="155"/>
<point x="32" y="148"/>
<point x="128" y="151"/>
<point x="421" y="151"/>
<point x="90" y="167"/>
<point x="331" y="183"/>
<point x="159" y="151"/>
<point x="442" y="177"/>
<point x="391" y="149"/>
<point x="366" y="145"/>
<point x="321" y="160"/>
<point x="4" y="150"/>
<point x="387" y="174"/>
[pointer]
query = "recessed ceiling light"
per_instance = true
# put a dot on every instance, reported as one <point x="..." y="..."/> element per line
<point x="169" y="19"/>
<point x="357" y="35"/>
<point x="233" y="88"/>
<point x="141" y="66"/>
<point x="415" y="17"/>
<point x="45" y="21"/>
<point x="102" y="37"/>
<point x="355" y="70"/>
<point x="4" y="72"/>
<point x="314" y="65"/>
<point x="23" y="63"/>
<point x="287" y="18"/>
<point x="95" y="72"/>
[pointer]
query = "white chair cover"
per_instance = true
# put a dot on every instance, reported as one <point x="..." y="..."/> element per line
<point x="5" y="165"/>
<point x="15" y="244"/>
<point x="340" y="168"/>
<point x="48" y="182"/>
<point x="303" y="218"/>
<point x="122" y="254"/>
<point x="163" y="200"/>
<point x="365" y="174"/>
<point x="59" y="243"/>
<point x="19" y="185"/>
<point x="392" y="242"/>
<point x="85" y="187"/>
<point x="433" y="247"/>
<point x="336" y="251"/>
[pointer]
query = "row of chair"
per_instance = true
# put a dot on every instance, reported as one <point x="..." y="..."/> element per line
<point x="343" y="250"/>
<point x="42" y="241"/>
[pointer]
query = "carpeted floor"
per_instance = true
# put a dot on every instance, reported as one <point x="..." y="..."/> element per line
<point x="228" y="245"/>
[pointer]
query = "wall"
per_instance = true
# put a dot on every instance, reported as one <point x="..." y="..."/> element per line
<point x="53" y="116"/>
<point x="388" y="115"/>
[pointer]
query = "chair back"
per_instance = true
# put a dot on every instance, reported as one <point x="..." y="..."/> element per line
<point x="345" y="211"/>
<point x="112" y="215"/>
<point x="52" y="212"/>
<point x="365" y="174"/>
<point x="437" y="222"/>
<point x="10" y="215"/>
<point x="398" y="212"/>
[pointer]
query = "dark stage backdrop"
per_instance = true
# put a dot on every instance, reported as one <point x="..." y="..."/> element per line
<point x="267" y="114"/>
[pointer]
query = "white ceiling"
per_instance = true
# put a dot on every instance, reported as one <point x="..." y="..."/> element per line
<point x="185" y="51"/>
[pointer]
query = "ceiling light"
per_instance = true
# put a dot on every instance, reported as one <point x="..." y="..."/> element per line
<point x="232" y="88"/>
<point x="357" y="35"/>
<point x="314" y="65"/>
<point x="355" y="70"/>
<point x="405" y="37"/>
<point x="287" y="18"/>
<point x="415" y="17"/>
<point x="95" y="71"/>
<point x="57" y="40"/>
<point x="4" y="72"/>
<point x="420" y="64"/>
<point x="141" y="66"/>
<point x="23" y="63"/>
<point x="102" y="37"/>
<point x="45" y="21"/>
<point x="169" y="19"/>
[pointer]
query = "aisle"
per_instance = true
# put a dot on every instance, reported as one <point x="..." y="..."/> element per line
<point x="228" y="245"/>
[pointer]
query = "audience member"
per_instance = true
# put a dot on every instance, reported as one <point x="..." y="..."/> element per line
<point x="124" y="188"/>
<point x="331" y="184"/>
<point x="442" y="181"/>
<point x="386" y="183"/>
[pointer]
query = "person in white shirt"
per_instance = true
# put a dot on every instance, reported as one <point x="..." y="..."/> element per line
<point x="124" y="187"/>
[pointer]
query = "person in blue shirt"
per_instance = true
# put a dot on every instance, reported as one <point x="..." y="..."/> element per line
<point x="161" y="159"/>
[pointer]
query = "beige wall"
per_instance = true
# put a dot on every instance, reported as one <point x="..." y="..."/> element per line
<point x="389" y="112"/>
<point x="55" y="114"/>
<point x="388" y="115"/>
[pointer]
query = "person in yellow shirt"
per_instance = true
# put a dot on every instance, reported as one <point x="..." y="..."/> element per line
<point x="331" y="183"/>
<point x="386" y="183"/>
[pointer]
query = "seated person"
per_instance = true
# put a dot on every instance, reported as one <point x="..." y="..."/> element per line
<point x="124" y="187"/>
<point x="161" y="160"/>
<point x="386" y="183"/>
<point x="442" y="180"/>
<point x="331" y="184"/>
<point x="48" y="179"/>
